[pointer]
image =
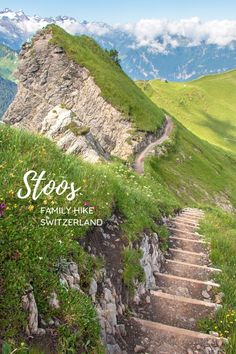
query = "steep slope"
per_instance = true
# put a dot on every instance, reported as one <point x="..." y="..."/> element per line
<point x="72" y="91"/>
<point x="205" y="106"/>
<point x="196" y="171"/>
<point x="7" y="94"/>
<point x="8" y="63"/>
<point x="38" y="259"/>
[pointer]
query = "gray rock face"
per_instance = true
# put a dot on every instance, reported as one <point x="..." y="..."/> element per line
<point x="107" y="294"/>
<point x="54" y="91"/>
<point x="30" y="306"/>
<point x="151" y="262"/>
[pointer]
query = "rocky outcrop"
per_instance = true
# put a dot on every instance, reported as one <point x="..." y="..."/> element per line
<point x="60" y="99"/>
<point x="107" y="289"/>
<point x="30" y="306"/>
<point x="109" y="294"/>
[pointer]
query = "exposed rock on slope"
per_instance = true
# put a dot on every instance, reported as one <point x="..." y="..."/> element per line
<point x="59" y="98"/>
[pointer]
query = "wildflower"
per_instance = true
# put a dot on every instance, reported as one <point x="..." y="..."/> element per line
<point x="45" y="202"/>
<point x="86" y="204"/>
<point x="2" y="209"/>
<point x="31" y="207"/>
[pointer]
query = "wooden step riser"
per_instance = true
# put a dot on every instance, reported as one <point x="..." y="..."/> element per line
<point x="188" y="271"/>
<point x="194" y="259"/>
<point x="182" y="287"/>
<point x="187" y="245"/>
<point x="163" y="339"/>
<point x="174" y="313"/>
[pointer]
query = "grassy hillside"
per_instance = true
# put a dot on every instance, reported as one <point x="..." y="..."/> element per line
<point x="196" y="171"/>
<point x="7" y="93"/>
<point x="116" y="87"/>
<point x="30" y="253"/>
<point x="205" y="106"/>
<point x="8" y="63"/>
<point x="191" y="172"/>
<point x="220" y="229"/>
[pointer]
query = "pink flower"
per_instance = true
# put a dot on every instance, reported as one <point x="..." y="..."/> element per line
<point x="2" y="209"/>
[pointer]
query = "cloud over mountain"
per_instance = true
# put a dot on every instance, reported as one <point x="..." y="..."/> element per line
<point x="150" y="48"/>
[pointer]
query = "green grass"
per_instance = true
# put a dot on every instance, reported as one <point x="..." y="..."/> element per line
<point x="205" y="106"/>
<point x="196" y="171"/>
<point x="77" y="130"/>
<point x="30" y="253"/>
<point x="116" y="87"/>
<point x="8" y="63"/>
<point x="220" y="229"/>
<point x="133" y="271"/>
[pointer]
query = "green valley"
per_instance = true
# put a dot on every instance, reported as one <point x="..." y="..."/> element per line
<point x="7" y="93"/>
<point x="205" y="106"/>
<point x="8" y="63"/>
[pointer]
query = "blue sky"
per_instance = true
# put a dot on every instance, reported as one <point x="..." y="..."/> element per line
<point x="121" y="11"/>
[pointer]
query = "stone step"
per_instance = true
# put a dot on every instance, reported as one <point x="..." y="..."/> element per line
<point x="189" y="217"/>
<point x="186" y="256"/>
<point x="180" y="286"/>
<point x="179" y="224"/>
<point x="188" y="270"/>
<point x="195" y="210"/>
<point x="187" y="222"/>
<point x="188" y="244"/>
<point x="179" y="311"/>
<point x="163" y="339"/>
<point x="191" y="212"/>
<point x="184" y="234"/>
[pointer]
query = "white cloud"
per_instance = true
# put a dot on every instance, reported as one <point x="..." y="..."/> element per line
<point x="160" y="33"/>
<point x="156" y="34"/>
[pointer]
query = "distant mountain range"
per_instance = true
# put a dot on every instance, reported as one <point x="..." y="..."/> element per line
<point x="172" y="50"/>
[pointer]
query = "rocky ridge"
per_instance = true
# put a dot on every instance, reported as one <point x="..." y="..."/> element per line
<point x="60" y="99"/>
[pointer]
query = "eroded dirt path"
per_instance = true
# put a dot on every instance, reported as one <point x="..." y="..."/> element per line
<point x="185" y="293"/>
<point x="139" y="162"/>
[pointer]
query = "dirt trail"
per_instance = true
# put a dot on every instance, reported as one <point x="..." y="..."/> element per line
<point x="185" y="293"/>
<point x="139" y="163"/>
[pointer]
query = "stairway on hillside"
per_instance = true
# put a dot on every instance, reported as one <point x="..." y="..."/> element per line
<point x="184" y="294"/>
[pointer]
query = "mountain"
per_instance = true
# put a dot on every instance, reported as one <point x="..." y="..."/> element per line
<point x="176" y="51"/>
<point x="8" y="63"/>
<point x="71" y="90"/>
<point x="7" y="93"/>
<point x="205" y="106"/>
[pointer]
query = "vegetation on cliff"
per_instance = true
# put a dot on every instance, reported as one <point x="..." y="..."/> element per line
<point x="116" y="87"/>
